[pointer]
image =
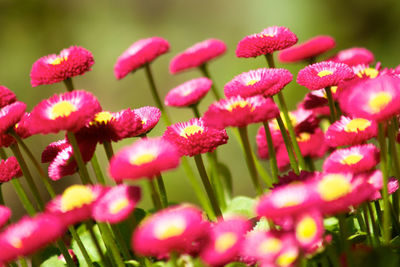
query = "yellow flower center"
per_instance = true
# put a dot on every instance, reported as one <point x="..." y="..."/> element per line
<point x="102" y="117"/>
<point x="324" y="73"/>
<point x="271" y="245"/>
<point x="351" y="159"/>
<point x="118" y="205"/>
<point x="190" y="130"/>
<point x="142" y="159"/>
<point x="171" y="228"/>
<point x="303" y="137"/>
<point x="58" y="60"/>
<point x="76" y="196"/>
<point x="286" y="258"/>
<point x="16" y="242"/>
<point x="306" y="229"/>
<point x="369" y="72"/>
<point x="333" y="186"/>
<point x="356" y="125"/>
<point x="237" y="104"/>
<point x="62" y="109"/>
<point x="252" y="81"/>
<point x="225" y="242"/>
<point x="379" y="101"/>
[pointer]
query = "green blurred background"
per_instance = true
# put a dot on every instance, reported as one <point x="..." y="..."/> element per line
<point x="30" y="29"/>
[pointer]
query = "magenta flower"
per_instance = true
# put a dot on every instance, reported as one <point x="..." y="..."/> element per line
<point x="5" y="214"/>
<point x="53" y="68"/>
<point x="9" y="169"/>
<point x="188" y="93"/>
<point x="149" y="117"/>
<point x="309" y="229"/>
<point x="354" y="56"/>
<point x="7" y="96"/>
<point x="10" y="115"/>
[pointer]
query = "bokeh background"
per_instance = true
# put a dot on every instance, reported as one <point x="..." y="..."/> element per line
<point x="30" y="29"/>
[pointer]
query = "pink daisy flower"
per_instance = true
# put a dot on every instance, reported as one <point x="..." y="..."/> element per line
<point x="6" y="140"/>
<point x="51" y="151"/>
<point x="197" y="55"/>
<point x="144" y="158"/>
<point x="269" y="40"/>
<point x="347" y="131"/>
<point x="5" y="214"/>
<point x="309" y="229"/>
<point x="365" y="71"/>
<point x="22" y="127"/>
<point x="53" y="68"/>
<point x="324" y="74"/>
<point x="301" y="119"/>
<point x="192" y="137"/>
<point x="354" y="56"/>
<point x="354" y="159"/>
<point x="9" y="169"/>
<point x="7" y="96"/>
<point x="288" y="256"/>
<point x="29" y="235"/>
<point x="116" y="204"/>
<point x="267" y="82"/>
<point x="149" y="117"/>
<point x="111" y="126"/>
<point x="225" y="241"/>
<point x="261" y="141"/>
<point x="377" y="182"/>
<point x="10" y="115"/>
<point x="138" y="54"/>
<point x="374" y="99"/>
<point x="69" y="111"/>
<point x="238" y="111"/>
<point x="172" y="229"/>
<point x="309" y="49"/>
<point x="75" y="203"/>
<point x="188" y="93"/>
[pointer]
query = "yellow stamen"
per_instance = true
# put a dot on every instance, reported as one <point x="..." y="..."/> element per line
<point x="190" y="130"/>
<point x="142" y="159"/>
<point x="303" y="137"/>
<point x="351" y="159"/>
<point x="333" y="186"/>
<point x="286" y="258"/>
<point x="76" y="196"/>
<point x="118" y="205"/>
<point x="271" y="245"/>
<point x="61" y="109"/>
<point x="356" y="125"/>
<point x="306" y="229"/>
<point x="237" y="104"/>
<point x="379" y="101"/>
<point x="324" y="73"/>
<point x="225" y="242"/>
<point x="369" y="72"/>
<point x="252" y="81"/>
<point x="102" y="117"/>
<point x="170" y="228"/>
<point x="58" y="60"/>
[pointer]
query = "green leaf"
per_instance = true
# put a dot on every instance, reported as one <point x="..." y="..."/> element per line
<point x="262" y="225"/>
<point x="331" y="224"/>
<point x="132" y="263"/>
<point x="241" y="205"/>
<point x="358" y="237"/>
<point x="53" y="262"/>
<point x="236" y="264"/>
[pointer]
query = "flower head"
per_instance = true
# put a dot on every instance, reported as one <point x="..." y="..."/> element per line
<point x="309" y="49"/>
<point x="149" y="117"/>
<point x="5" y="214"/>
<point x="192" y="137"/>
<point x="6" y="96"/>
<point x="10" y="115"/>
<point x="69" y="111"/>
<point x="53" y="68"/>
<point x="309" y="228"/>
<point x="188" y="93"/>
<point x="264" y="81"/>
<point x="324" y="74"/>
<point x="139" y="53"/>
<point x="145" y="158"/>
<point x="269" y="40"/>
<point x="354" y="56"/>
<point x="197" y="55"/>
<point x="238" y="111"/>
<point x="172" y="229"/>
<point x="9" y="169"/>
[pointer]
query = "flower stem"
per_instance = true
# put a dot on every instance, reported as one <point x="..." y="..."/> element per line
<point x="82" y="248"/>
<point x="78" y="157"/>
<point x="331" y="103"/>
<point x="109" y="149"/>
<point x="155" y="195"/>
<point x="155" y="94"/>
<point x="97" y="169"/>
<point x="385" y="194"/>
<point x="288" y="144"/>
<point x="270" y="60"/>
<point x="216" y="179"/>
<point x="195" y="110"/>
<point x="68" y="83"/>
<point x="207" y="185"/>
<point x="109" y="240"/>
<point x="23" y="197"/>
<point x="65" y="253"/>
<point x="120" y="242"/>
<point x="104" y="258"/>
<point x="28" y="176"/>
<point x="343" y="236"/>
<point x="250" y="160"/>
<point x="23" y="262"/>
<point x="375" y="226"/>
<point x="163" y="191"/>
<point x="204" y="70"/>
<point x="271" y="152"/>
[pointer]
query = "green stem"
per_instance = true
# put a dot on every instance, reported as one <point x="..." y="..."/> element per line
<point x="270" y="60"/>
<point x="310" y="163"/>
<point x="3" y="154"/>
<point x="375" y="226"/>
<point x="65" y="253"/>
<point x="109" y="149"/>
<point x="364" y="210"/>
<point x="23" y="197"/>
<point x="1" y="195"/>
<point x="204" y="70"/>
<point x="109" y="240"/>
<point x="250" y="160"/>
<point x="78" y="157"/>
<point x="28" y="176"/>
<point x="68" y="83"/>
<point x="207" y="185"/>
<point x="163" y="191"/>
<point x="288" y="144"/>
<point x="104" y="259"/>
<point x="120" y="242"/>
<point x="195" y="110"/>
<point x="385" y="194"/>
<point x="216" y="179"/>
<point x="344" y="239"/>
<point x="23" y="262"/>
<point x="331" y="103"/>
<point x="155" y="94"/>
<point x="81" y="246"/>
<point x="155" y="195"/>
<point x="97" y="170"/>
<point x="271" y="152"/>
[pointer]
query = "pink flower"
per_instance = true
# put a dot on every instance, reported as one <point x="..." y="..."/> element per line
<point x="116" y="204"/>
<point x="354" y="56"/>
<point x="138" y="54"/>
<point x="188" y="93"/>
<point x="193" y="137"/>
<point x="69" y="111"/>
<point x="174" y="229"/>
<point x="145" y="158"/>
<point x="53" y="68"/>
<point x="239" y="112"/>
<point x="269" y="40"/>
<point x="5" y="214"/>
<point x="267" y="82"/>
<point x="149" y="117"/>
<point x="197" y="55"/>
<point x="324" y="74"/>
<point x="7" y="96"/>
<point x="10" y="115"/>
<point x="9" y="169"/>
<point x="309" y="49"/>
<point x="309" y="229"/>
